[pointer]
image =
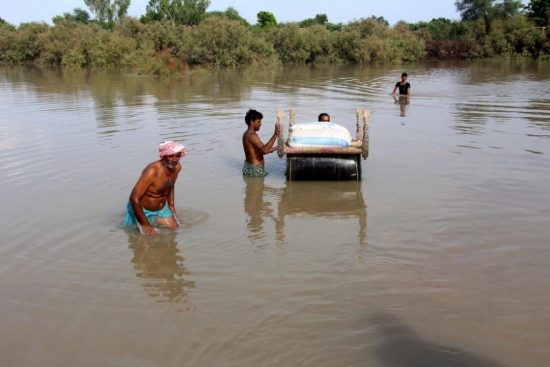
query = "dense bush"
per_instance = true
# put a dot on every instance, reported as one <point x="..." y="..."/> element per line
<point x="509" y="36"/>
<point x="111" y="50"/>
<point x="68" y="44"/>
<point x="290" y="44"/>
<point x="223" y="39"/>
<point x="348" y="45"/>
<point x="441" y="29"/>
<point x="219" y="41"/>
<point x="523" y="38"/>
<point x="21" y="45"/>
<point x="372" y="40"/>
<point x="320" y="45"/>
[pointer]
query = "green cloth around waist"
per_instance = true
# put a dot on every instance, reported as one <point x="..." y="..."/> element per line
<point x="253" y="170"/>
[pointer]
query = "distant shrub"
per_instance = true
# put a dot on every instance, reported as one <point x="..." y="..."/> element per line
<point x="164" y="34"/>
<point x="21" y="45"/>
<point x="112" y="51"/>
<point x="290" y="44"/>
<point x="220" y="42"/>
<point x="447" y="49"/>
<point x="74" y="58"/>
<point x="440" y="29"/>
<point x="225" y="39"/>
<point x="57" y="41"/>
<point x="348" y="45"/>
<point x="320" y="45"/>
<point x="262" y="51"/>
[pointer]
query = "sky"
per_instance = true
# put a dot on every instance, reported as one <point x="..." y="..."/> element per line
<point x="337" y="11"/>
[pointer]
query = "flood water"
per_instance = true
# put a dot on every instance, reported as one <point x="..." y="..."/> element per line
<point x="440" y="256"/>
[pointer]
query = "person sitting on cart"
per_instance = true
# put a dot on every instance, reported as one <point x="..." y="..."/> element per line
<point x="324" y="117"/>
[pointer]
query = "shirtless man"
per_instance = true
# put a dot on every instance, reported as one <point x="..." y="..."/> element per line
<point x="152" y="199"/>
<point x="254" y="149"/>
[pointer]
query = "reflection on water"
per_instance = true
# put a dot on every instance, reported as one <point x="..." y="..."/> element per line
<point x="501" y="91"/>
<point x="258" y="207"/>
<point x="160" y="266"/>
<point x="403" y="102"/>
<point x="484" y="91"/>
<point x="539" y="114"/>
<point x="334" y="200"/>
<point x="398" y="345"/>
<point x="109" y="90"/>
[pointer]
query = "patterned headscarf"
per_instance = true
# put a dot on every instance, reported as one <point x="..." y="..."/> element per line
<point x="171" y="147"/>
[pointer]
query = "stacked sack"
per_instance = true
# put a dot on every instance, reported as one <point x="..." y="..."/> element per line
<point x="318" y="135"/>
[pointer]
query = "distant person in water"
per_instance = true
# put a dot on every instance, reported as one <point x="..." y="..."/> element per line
<point x="403" y="86"/>
<point x="254" y="149"/>
<point x="151" y="202"/>
<point x="324" y="117"/>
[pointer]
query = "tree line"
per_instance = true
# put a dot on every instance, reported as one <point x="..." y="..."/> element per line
<point x="175" y="34"/>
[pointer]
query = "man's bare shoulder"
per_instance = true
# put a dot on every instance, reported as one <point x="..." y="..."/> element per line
<point x="250" y="136"/>
<point x="152" y="168"/>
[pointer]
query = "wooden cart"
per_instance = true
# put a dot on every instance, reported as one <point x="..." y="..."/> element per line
<point x="326" y="163"/>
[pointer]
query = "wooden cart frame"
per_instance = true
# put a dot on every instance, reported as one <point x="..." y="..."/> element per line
<point x="326" y="163"/>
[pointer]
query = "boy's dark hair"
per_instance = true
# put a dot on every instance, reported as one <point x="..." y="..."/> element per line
<point x="404" y="74"/>
<point x="252" y="115"/>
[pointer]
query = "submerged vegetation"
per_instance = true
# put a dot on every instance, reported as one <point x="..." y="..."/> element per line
<point x="175" y="34"/>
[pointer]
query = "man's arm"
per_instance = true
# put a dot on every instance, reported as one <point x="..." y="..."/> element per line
<point x="171" y="201"/>
<point x="394" y="89"/>
<point x="267" y="147"/>
<point x="138" y="191"/>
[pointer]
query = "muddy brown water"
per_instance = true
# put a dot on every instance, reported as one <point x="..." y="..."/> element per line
<point x="439" y="256"/>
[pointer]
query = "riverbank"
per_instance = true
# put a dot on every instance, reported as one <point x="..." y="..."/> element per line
<point x="163" y="48"/>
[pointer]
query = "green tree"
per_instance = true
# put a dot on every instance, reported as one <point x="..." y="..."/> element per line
<point x="189" y="12"/>
<point x="233" y="14"/>
<point x="380" y="20"/>
<point x="539" y="11"/>
<point x="229" y="13"/>
<point x="487" y="10"/>
<point x="266" y="19"/>
<point x="321" y="19"/>
<point x="220" y="42"/>
<point x="441" y="29"/>
<point x="318" y="19"/>
<point x="78" y="16"/>
<point x="21" y="45"/>
<point x="194" y="11"/>
<point x="508" y="8"/>
<point x="159" y="10"/>
<point x="108" y="13"/>
<point x="477" y="9"/>
<point x="6" y="25"/>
